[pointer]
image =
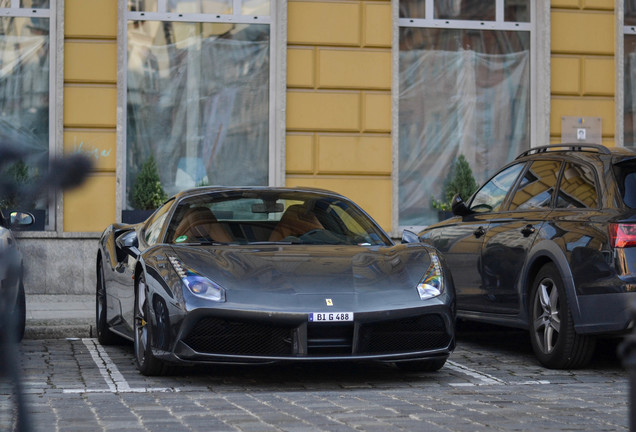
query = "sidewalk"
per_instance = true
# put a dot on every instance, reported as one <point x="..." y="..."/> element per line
<point x="58" y="316"/>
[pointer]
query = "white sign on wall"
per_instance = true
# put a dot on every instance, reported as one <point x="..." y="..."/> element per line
<point x="584" y="130"/>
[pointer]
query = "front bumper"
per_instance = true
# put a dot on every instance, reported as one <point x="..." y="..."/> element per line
<point x="221" y="336"/>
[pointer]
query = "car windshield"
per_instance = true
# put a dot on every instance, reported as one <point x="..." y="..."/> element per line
<point x="625" y="173"/>
<point x="252" y="217"/>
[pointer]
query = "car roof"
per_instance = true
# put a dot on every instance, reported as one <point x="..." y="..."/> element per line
<point x="578" y="148"/>
<point x="219" y="189"/>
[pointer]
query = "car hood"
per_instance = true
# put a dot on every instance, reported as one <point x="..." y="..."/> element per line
<point x="297" y="274"/>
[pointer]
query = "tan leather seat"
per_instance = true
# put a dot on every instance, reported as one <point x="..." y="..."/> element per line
<point x="296" y="221"/>
<point x="200" y="223"/>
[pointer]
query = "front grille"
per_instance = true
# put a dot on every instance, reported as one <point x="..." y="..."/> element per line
<point x="422" y="333"/>
<point x="329" y="339"/>
<point x="219" y="336"/>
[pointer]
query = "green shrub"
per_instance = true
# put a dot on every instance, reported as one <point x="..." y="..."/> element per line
<point x="460" y="181"/>
<point x="148" y="194"/>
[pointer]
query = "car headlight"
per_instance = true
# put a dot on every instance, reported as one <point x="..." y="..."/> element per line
<point x="432" y="283"/>
<point x="198" y="285"/>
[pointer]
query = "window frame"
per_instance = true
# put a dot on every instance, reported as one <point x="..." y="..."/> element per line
<point x="539" y="28"/>
<point x="277" y="21"/>
<point x="56" y="61"/>
<point x="622" y="30"/>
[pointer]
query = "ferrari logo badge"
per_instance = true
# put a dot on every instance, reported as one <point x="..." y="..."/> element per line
<point x="329" y="302"/>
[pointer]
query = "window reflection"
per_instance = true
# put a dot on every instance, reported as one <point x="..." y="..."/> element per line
<point x="142" y="5"/>
<point x="198" y="97"/>
<point x="492" y="195"/>
<point x="536" y="187"/>
<point x="24" y="88"/>
<point x="36" y="4"/>
<point x="577" y="188"/>
<point x="630" y="12"/>
<point x="200" y="6"/>
<point x="517" y="10"/>
<point x="482" y="10"/>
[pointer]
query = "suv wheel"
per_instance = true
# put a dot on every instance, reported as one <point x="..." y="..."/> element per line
<point x="554" y="340"/>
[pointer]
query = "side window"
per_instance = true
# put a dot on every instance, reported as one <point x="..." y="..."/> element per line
<point x="537" y="186"/>
<point x="153" y="229"/>
<point x="578" y="188"/>
<point x="492" y="195"/>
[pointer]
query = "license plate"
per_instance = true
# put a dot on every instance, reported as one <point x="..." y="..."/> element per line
<point x="330" y="316"/>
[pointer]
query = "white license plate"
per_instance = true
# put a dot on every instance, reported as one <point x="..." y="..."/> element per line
<point x="330" y="316"/>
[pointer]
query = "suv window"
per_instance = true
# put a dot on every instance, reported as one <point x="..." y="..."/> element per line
<point x="625" y="173"/>
<point x="578" y="187"/>
<point x="536" y="186"/>
<point x="492" y="195"/>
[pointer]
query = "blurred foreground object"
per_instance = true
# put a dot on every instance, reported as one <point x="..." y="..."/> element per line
<point x="17" y="187"/>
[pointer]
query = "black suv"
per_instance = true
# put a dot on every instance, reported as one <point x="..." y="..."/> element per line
<point x="548" y="244"/>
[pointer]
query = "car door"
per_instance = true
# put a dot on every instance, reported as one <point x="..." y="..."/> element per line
<point x="511" y="234"/>
<point x="461" y="241"/>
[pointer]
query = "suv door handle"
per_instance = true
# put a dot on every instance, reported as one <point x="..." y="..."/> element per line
<point x="479" y="232"/>
<point x="527" y="230"/>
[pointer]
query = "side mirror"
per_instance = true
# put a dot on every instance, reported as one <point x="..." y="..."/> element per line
<point x="458" y="206"/>
<point x="409" y="237"/>
<point x="129" y="243"/>
<point x="19" y="220"/>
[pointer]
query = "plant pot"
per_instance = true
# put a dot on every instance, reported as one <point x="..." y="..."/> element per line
<point x="135" y="216"/>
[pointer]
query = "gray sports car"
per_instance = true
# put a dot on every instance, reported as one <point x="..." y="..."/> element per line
<point x="259" y="275"/>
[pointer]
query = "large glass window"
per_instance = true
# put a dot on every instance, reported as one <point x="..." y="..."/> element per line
<point x="26" y="59"/>
<point x="629" y="101"/>
<point x="464" y="78"/>
<point x="198" y="92"/>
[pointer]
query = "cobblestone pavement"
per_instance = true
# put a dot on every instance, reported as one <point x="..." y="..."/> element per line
<point x="490" y="383"/>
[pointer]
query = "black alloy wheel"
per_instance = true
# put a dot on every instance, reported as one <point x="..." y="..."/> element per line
<point x="147" y="363"/>
<point x="104" y="335"/>
<point x="552" y="335"/>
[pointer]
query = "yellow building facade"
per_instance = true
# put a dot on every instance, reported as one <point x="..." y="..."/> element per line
<point x="337" y="115"/>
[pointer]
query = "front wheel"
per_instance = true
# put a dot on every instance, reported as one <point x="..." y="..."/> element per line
<point x="147" y="363"/>
<point x="552" y="335"/>
<point x="104" y="335"/>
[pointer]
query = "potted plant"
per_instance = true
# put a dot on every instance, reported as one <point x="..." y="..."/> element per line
<point x="147" y="193"/>
<point x="22" y="178"/>
<point x="460" y="181"/>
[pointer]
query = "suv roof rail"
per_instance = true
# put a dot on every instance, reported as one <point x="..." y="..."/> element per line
<point x="566" y="146"/>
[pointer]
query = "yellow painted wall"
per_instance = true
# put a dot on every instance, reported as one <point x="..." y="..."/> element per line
<point x="90" y="107"/>
<point x="583" y="64"/>
<point x="339" y="100"/>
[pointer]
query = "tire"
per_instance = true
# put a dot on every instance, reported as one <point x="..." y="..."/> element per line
<point x="147" y="363"/>
<point x="104" y="335"/>
<point x="19" y="313"/>
<point x="552" y="335"/>
<point x="432" y="365"/>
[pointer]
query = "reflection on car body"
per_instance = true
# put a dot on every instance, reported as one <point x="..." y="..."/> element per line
<point x="257" y="275"/>
<point x="547" y="244"/>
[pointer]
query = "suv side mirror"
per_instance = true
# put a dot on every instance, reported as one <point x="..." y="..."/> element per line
<point x="458" y="206"/>
<point x="409" y="237"/>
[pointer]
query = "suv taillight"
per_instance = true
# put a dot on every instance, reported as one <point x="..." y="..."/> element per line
<point x="622" y="235"/>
